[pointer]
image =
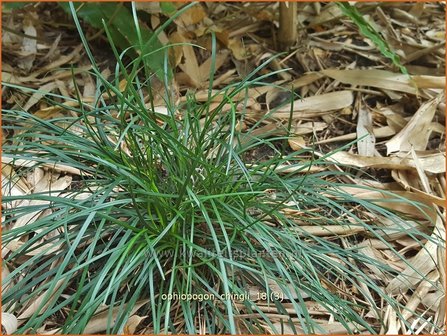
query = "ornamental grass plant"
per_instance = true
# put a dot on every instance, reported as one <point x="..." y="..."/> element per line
<point x="166" y="216"/>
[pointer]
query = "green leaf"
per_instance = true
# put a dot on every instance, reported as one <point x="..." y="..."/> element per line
<point x="14" y="5"/>
<point x="122" y="30"/>
<point x="168" y="8"/>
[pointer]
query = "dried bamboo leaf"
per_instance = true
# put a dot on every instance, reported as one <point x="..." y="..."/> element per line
<point x="46" y="249"/>
<point x="365" y="133"/>
<point x="370" y="251"/>
<point x="386" y="80"/>
<point x="297" y="143"/>
<point x="329" y="230"/>
<point x="9" y="323"/>
<point x="53" y="189"/>
<point x="316" y="105"/>
<point x="392" y="321"/>
<point x="328" y="14"/>
<point x="380" y="197"/>
<point x="379" y="132"/>
<point x="5" y="273"/>
<point x="132" y="323"/>
<point x="34" y="306"/>
<point x="434" y="163"/>
<point x="417" y="131"/>
<point x="29" y="45"/>
<point x="31" y="163"/>
<point x="421" y="291"/>
<point x="409" y="183"/>
<point x="191" y="66"/>
<point x="37" y="96"/>
<point x="425" y="261"/>
<point x="100" y="321"/>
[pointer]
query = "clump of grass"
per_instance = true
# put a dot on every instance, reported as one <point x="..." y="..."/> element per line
<point x="165" y="206"/>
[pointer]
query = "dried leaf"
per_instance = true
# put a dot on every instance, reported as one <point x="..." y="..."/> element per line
<point x="29" y="45"/>
<point x="100" y="322"/>
<point x="37" y="96"/>
<point x="9" y="323"/>
<point x="191" y="16"/>
<point x="393" y="325"/>
<point x="425" y="261"/>
<point x="237" y="49"/>
<point x="316" y="105"/>
<point x="380" y="198"/>
<point x="385" y="80"/>
<point x="421" y="291"/>
<point x="365" y="133"/>
<point x="309" y="127"/>
<point x="31" y="163"/>
<point x="205" y="67"/>
<point x="5" y="273"/>
<point x="328" y="14"/>
<point x="190" y="66"/>
<point x="329" y="230"/>
<point x="132" y="324"/>
<point x="380" y="132"/>
<point x="434" y="163"/>
<point x="417" y="131"/>
<point x="44" y="186"/>
<point x="297" y="143"/>
<point x="150" y="7"/>
<point x="35" y="304"/>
